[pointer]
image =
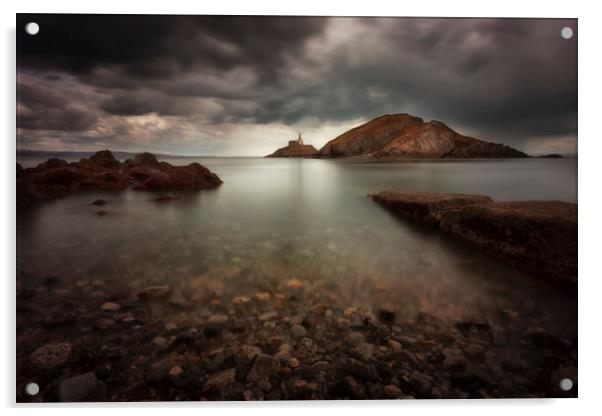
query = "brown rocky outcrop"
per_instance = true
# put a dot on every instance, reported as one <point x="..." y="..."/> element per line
<point x="538" y="237"/>
<point x="102" y="172"/>
<point x="296" y="150"/>
<point x="403" y="136"/>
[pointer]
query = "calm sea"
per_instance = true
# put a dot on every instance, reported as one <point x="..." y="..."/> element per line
<point x="274" y="220"/>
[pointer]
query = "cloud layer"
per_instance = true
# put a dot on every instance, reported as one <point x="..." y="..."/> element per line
<point x="243" y="85"/>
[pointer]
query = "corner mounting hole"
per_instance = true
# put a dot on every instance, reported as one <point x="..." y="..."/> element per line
<point x="566" y="32"/>
<point x="566" y="384"/>
<point x="32" y="389"/>
<point x="32" y="28"/>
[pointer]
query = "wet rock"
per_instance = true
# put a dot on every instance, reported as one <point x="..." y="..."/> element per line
<point x="83" y="388"/>
<point x="298" y="331"/>
<point x="386" y="315"/>
<point x="392" y="392"/>
<point x="155" y="293"/>
<point x="453" y="359"/>
<point x="268" y="316"/>
<point x="217" y="319"/>
<point x="110" y="306"/>
<point x="221" y="379"/>
<point x="383" y="332"/>
<point x="421" y="384"/>
<point x="241" y="300"/>
<point x="426" y="207"/>
<point x="167" y="198"/>
<point x="99" y="202"/>
<point x="354" y="388"/>
<point x="51" y="355"/>
<point x="402" y="356"/>
<point x="307" y="348"/>
<point x="160" y="342"/>
<point x="263" y="366"/>
<point x="361" y="370"/>
<point x="104" y="323"/>
<point x="263" y="296"/>
<point x="542" y="339"/>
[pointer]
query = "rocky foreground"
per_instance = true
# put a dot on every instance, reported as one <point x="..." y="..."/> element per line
<point x="403" y="136"/>
<point x="102" y="172"/>
<point x="97" y="340"/>
<point x="539" y="237"/>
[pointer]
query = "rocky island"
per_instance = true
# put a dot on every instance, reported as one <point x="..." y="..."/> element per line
<point x="295" y="148"/>
<point x="403" y="136"/>
<point x="102" y="172"/>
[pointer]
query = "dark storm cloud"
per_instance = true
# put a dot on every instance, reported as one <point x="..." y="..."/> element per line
<point x="42" y="108"/>
<point x="506" y="80"/>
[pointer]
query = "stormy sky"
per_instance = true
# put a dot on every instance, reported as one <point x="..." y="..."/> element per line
<point x="216" y="85"/>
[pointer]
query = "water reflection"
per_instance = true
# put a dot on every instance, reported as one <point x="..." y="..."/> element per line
<point x="275" y="221"/>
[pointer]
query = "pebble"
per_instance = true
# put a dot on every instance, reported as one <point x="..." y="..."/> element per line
<point x="453" y="359"/>
<point x="263" y="296"/>
<point x="391" y="391"/>
<point x="110" y="306"/>
<point x="262" y="367"/>
<point x="268" y="316"/>
<point x="298" y="331"/>
<point x="51" y="355"/>
<point x="155" y="293"/>
<point x="176" y="371"/>
<point x="217" y="319"/>
<point x="160" y="342"/>
<point x="104" y="323"/>
<point x="293" y="362"/>
<point x="82" y="388"/>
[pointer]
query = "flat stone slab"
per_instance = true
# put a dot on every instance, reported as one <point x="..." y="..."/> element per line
<point x="538" y="237"/>
<point x="426" y="207"/>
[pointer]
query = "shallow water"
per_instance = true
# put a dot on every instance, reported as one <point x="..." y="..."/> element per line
<point x="274" y="220"/>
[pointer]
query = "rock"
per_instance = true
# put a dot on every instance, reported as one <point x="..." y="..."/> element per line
<point x="402" y="136"/>
<point x="110" y="306"/>
<point x="155" y="293"/>
<point x="453" y="359"/>
<point x="421" y="384"/>
<point x="221" y="379"/>
<point x="386" y="315"/>
<point x="402" y="356"/>
<point x="383" y="332"/>
<point x="295" y="148"/>
<point x="268" y="316"/>
<point x="82" y="388"/>
<point x="99" y="202"/>
<point x="320" y="308"/>
<point x="262" y="367"/>
<point x="167" y="198"/>
<point x="539" y="237"/>
<point x="307" y="348"/>
<point x="298" y="331"/>
<point x="217" y="319"/>
<point x="426" y="207"/>
<point x="104" y="323"/>
<point x="102" y="172"/>
<point x="51" y="355"/>
<point x="542" y="339"/>
<point x="361" y="370"/>
<point x="392" y="392"/>
<point x="263" y="296"/>
<point x="293" y="362"/>
<point x="176" y="371"/>
<point x="160" y="342"/>
<point x="241" y="300"/>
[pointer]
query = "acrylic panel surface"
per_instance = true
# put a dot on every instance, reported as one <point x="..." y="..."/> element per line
<point x="287" y="208"/>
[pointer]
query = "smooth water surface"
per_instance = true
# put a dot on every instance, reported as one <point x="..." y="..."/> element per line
<point x="279" y="220"/>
